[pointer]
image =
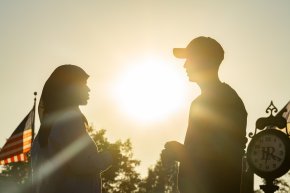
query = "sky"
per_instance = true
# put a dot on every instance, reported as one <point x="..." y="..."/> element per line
<point x="138" y="89"/>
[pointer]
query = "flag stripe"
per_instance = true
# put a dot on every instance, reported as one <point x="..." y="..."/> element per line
<point x="20" y="135"/>
<point x="17" y="145"/>
<point x="287" y="113"/>
<point x="13" y="152"/>
<point x="22" y="157"/>
<point x="17" y="158"/>
<point x="28" y="138"/>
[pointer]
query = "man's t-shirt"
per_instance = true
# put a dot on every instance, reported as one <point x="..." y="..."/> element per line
<point x="215" y="142"/>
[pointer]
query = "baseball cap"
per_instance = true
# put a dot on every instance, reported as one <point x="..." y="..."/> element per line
<point x="201" y="45"/>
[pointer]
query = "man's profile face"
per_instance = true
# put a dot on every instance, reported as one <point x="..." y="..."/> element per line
<point x="196" y="66"/>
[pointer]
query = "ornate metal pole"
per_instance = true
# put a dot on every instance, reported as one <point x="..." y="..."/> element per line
<point x="269" y="187"/>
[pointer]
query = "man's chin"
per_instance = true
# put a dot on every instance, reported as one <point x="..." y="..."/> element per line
<point x="191" y="80"/>
<point x="84" y="103"/>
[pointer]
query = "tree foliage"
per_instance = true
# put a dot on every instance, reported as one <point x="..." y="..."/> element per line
<point x="160" y="179"/>
<point x="282" y="183"/>
<point x="18" y="172"/>
<point x="16" y="177"/>
<point x="122" y="177"/>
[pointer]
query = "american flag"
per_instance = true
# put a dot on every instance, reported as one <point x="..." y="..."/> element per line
<point x="286" y="114"/>
<point x="19" y="143"/>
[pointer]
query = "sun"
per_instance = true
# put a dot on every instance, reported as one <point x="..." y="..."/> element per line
<point x="150" y="90"/>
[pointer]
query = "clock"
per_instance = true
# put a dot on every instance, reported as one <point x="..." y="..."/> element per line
<point x="268" y="153"/>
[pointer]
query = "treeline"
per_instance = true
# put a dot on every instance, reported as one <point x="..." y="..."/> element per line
<point x="122" y="177"/>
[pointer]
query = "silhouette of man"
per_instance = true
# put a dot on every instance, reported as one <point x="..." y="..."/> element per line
<point x="211" y="156"/>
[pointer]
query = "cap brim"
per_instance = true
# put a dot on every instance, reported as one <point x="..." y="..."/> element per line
<point x="180" y="52"/>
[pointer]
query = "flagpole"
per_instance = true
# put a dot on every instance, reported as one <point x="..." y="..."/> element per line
<point x="34" y="110"/>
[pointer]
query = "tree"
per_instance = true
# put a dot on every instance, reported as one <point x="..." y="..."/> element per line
<point x="282" y="183"/>
<point x="160" y="179"/>
<point x="122" y="176"/>
<point x="15" y="177"/>
<point x="18" y="172"/>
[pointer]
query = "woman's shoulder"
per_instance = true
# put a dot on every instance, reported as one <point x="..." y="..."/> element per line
<point x="68" y="116"/>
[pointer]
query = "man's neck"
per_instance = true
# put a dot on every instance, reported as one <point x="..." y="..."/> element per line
<point x="208" y="84"/>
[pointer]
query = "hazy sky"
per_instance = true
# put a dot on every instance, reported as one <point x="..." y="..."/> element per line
<point x="110" y="38"/>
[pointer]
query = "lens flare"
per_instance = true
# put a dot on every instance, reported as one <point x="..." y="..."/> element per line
<point x="150" y="90"/>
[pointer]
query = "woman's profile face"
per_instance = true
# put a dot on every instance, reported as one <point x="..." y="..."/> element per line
<point x="78" y="92"/>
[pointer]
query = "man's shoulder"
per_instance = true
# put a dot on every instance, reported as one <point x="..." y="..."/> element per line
<point x="225" y="89"/>
<point x="228" y="92"/>
<point x="218" y="93"/>
<point x="229" y="96"/>
<point x="221" y="96"/>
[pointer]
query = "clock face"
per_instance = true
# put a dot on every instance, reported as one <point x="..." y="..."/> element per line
<point x="268" y="153"/>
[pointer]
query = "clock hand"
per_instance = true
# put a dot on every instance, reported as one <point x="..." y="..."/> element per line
<point x="267" y="155"/>
<point x="275" y="157"/>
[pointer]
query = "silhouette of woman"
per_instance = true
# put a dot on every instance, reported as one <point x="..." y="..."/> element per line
<point x="64" y="157"/>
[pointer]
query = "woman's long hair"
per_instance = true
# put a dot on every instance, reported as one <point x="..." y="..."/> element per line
<point x="55" y="97"/>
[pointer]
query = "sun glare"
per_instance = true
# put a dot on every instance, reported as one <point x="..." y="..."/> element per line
<point x="150" y="90"/>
